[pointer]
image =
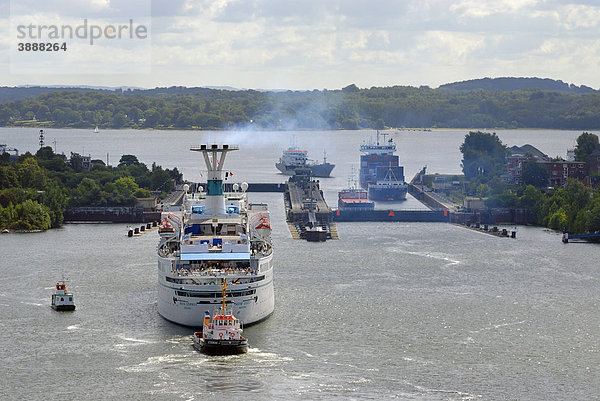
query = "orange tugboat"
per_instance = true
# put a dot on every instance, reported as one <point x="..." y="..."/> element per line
<point x="221" y="333"/>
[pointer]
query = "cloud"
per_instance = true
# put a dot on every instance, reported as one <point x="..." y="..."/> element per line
<point x="81" y="9"/>
<point x="482" y="9"/>
<point x="306" y="44"/>
<point x="575" y="17"/>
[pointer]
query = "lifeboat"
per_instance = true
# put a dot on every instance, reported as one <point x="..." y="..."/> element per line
<point x="166" y="227"/>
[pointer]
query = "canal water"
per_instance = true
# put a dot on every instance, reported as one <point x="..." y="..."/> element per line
<point x="410" y="311"/>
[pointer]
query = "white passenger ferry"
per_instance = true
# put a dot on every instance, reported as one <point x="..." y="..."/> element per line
<point x="213" y="238"/>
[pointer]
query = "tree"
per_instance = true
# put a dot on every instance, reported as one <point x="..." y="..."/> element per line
<point x="594" y="216"/>
<point x="161" y="180"/>
<point x="128" y="160"/>
<point x="45" y="153"/>
<point x="535" y="174"/>
<point x="32" y="216"/>
<point x="126" y="186"/>
<point x="352" y="88"/>
<point x="119" y="120"/>
<point x="175" y="175"/>
<point x="349" y="124"/>
<point x="88" y="192"/>
<point x="586" y="144"/>
<point x="9" y="177"/>
<point x="76" y="162"/>
<point x="483" y="155"/>
<point x="55" y="200"/>
<point x="31" y="174"/>
<point x="531" y="197"/>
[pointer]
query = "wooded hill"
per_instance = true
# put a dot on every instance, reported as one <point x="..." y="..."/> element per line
<point x="348" y="108"/>
<point x="513" y="84"/>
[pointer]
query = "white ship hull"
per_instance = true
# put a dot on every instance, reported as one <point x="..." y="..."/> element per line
<point x="186" y="304"/>
<point x="212" y="241"/>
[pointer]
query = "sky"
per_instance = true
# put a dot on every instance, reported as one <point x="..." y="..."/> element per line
<point x="303" y="44"/>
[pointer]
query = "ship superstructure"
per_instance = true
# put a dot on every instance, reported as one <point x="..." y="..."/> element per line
<point x="213" y="238"/>
<point x="380" y="173"/>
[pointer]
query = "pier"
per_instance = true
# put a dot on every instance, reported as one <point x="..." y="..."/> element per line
<point x="114" y="214"/>
<point x="588" y="237"/>
<point x="425" y="216"/>
<point x="307" y="213"/>
<point x="430" y="198"/>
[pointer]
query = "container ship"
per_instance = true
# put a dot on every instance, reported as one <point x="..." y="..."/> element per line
<point x="380" y="174"/>
<point x="213" y="239"/>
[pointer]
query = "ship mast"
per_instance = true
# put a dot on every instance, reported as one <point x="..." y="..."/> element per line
<point x="214" y="157"/>
<point x="224" y="291"/>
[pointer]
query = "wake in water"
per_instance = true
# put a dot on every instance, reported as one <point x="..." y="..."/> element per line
<point x="432" y="255"/>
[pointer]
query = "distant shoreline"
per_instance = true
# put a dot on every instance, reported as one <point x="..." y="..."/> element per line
<point x="398" y="130"/>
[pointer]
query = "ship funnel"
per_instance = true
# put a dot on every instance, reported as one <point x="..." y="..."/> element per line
<point x="214" y="157"/>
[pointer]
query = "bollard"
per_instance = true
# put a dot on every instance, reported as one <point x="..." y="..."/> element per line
<point x="136" y="231"/>
<point x="130" y="233"/>
<point x="142" y="228"/>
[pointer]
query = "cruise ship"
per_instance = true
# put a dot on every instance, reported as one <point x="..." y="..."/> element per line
<point x="215" y="238"/>
<point x="380" y="173"/>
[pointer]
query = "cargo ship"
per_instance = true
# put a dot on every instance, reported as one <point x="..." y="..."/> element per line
<point x="294" y="158"/>
<point x="354" y="198"/>
<point x="380" y="174"/>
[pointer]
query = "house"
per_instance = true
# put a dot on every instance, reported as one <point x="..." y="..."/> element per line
<point x="13" y="154"/>
<point x="79" y="162"/>
<point x="558" y="171"/>
<point x="517" y="160"/>
<point x="561" y="171"/>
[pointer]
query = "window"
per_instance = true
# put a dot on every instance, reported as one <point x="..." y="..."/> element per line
<point x="214" y="294"/>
